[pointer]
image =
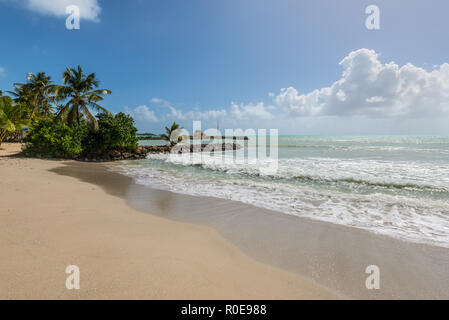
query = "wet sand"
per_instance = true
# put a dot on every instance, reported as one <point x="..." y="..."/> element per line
<point x="331" y="255"/>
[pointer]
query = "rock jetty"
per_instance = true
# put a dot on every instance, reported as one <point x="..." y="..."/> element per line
<point x="143" y="151"/>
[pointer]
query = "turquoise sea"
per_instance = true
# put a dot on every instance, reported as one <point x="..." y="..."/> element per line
<point x="392" y="185"/>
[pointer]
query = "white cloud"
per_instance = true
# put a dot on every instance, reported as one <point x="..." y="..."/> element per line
<point x="372" y="89"/>
<point x="89" y="9"/>
<point x="341" y="95"/>
<point x="142" y="113"/>
<point x="209" y="114"/>
<point x="2" y="72"/>
<point x="250" y="111"/>
<point x="177" y="114"/>
<point x="370" y="97"/>
<point x="237" y="112"/>
<point x="299" y="105"/>
<point x="375" y="99"/>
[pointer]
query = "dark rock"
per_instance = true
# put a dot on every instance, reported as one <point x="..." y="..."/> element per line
<point x="143" y="151"/>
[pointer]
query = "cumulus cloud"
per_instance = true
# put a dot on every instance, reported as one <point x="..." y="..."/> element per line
<point x="250" y="111"/>
<point x="89" y="9"/>
<point x="178" y="114"/>
<point x="208" y="114"/>
<point x="372" y="89"/>
<point x="142" y="113"/>
<point x="235" y="112"/>
<point x="370" y="97"/>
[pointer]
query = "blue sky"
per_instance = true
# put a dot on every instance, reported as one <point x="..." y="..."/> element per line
<point x="228" y="61"/>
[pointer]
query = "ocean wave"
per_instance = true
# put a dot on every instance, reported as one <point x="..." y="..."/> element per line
<point x="387" y="185"/>
<point x="408" y="218"/>
<point x="394" y="186"/>
<point x="370" y="173"/>
<point x="368" y="148"/>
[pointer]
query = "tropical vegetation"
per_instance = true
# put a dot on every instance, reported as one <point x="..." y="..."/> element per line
<point x="54" y="139"/>
<point x="114" y="132"/>
<point x="81" y="92"/>
<point x="67" y="120"/>
<point x="60" y="117"/>
<point x="172" y="134"/>
<point x="13" y="117"/>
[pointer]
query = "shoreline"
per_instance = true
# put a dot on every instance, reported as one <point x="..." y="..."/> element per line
<point x="50" y="221"/>
<point x="331" y="255"/>
<point x="324" y="260"/>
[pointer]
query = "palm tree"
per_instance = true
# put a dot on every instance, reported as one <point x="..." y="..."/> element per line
<point x="12" y="117"/>
<point x="23" y="95"/>
<point x="36" y="94"/>
<point x="172" y="133"/>
<point x="80" y="91"/>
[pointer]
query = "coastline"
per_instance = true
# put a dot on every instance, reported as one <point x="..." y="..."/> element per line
<point x="331" y="255"/>
<point x="221" y="248"/>
<point x="50" y="221"/>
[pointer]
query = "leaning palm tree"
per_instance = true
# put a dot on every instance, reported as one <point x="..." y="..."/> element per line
<point x="80" y="90"/>
<point x="172" y="133"/>
<point x="36" y="94"/>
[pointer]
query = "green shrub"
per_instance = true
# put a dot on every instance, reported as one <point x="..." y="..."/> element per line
<point x="54" y="139"/>
<point x="13" y="117"/>
<point x="114" y="133"/>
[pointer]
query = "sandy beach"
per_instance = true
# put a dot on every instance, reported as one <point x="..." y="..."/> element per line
<point x="134" y="242"/>
<point x="49" y="221"/>
<point x="224" y="150"/>
<point x="334" y="256"/>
